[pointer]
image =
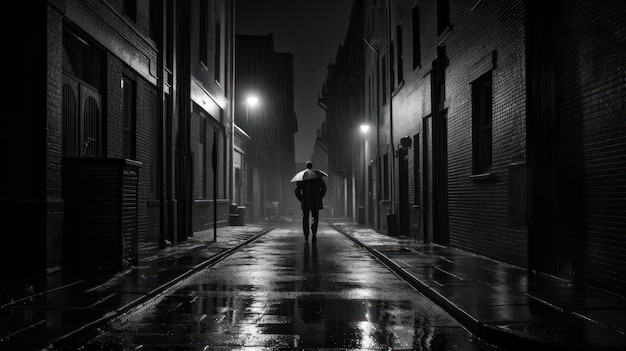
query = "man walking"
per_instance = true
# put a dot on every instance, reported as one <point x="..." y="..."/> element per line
<point x="310" y="193"/>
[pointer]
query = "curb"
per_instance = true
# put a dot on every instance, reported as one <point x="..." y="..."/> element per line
<point x="476" y="327"/>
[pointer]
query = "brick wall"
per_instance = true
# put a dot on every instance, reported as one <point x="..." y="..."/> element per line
<point x="133" y="45"/>
<point x="203" y="204"/>
<point x="488" y="36"/>
<point x="54" y="137"/>
<point x="54" y="140"/>
<point x="146" y="117"/>
<point x="590" y="100"/>
<point x="591" y="105"/>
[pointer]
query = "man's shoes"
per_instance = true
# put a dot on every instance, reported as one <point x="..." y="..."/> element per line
<point x="314" y="238"/>
<point x="306" y="237"/>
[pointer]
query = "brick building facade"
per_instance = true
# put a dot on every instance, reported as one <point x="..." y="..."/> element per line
<point x="144" y="81"/>
<point x="500" y="130"/>
<point x="268" y="76"/>
<point x="341" y="98"/>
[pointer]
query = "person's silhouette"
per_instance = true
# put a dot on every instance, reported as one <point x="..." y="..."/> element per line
<point x="310" y="193"/>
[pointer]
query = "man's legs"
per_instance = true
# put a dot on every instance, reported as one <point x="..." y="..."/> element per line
<point x="316" y="217"/>
<point x="305" y="224"/>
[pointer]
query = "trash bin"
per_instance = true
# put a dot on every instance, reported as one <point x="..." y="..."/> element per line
<point x="361" y="220"/>
<point x="392" y="224"/>
<point x="241" y="210"/>
<point x="237" y="215"/>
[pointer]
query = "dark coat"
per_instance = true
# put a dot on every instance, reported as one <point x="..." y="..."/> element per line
<point x="310" y="193"/>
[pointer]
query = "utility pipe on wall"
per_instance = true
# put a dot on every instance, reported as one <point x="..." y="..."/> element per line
<point x="390" y="78"/>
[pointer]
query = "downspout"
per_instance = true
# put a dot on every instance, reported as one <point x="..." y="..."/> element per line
<point x="183" y="157"/>
<point x="393" y="149"/>
<point x="231" y="170"/>
<point x="160" y="140"/>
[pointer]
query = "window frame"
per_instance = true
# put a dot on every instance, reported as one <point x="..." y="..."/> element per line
<point x="443" y="16"/>
<point x="400" y="56"/>
<point x="203" y="33"/>
<point x="482" y="124"/>
<point x="129" y="117"/>
<point x="417" y="53"/>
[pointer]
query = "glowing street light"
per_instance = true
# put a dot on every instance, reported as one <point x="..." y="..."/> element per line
<point x="252" y="101"/>
<point x="365" y="128"/>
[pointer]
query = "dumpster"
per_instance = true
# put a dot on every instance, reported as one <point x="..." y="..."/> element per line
<point x="101" y="210"/>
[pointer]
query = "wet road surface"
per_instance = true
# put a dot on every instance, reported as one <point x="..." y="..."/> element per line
<point x="281" y="292"/>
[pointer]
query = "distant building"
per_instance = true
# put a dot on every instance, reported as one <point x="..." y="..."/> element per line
<point x="270" y="154"/>
<point x="342" y="99"/>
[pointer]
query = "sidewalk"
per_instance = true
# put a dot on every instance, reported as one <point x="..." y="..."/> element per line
<point x="497" y="302"/>
<point x="37" y="320"/>
<point x="501" y="303"/>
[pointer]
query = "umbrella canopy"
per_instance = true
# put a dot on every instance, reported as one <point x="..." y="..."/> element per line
<point x="308" y="174"/>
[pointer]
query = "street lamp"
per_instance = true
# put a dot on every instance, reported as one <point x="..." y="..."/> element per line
<point x="251" y="101"/>
<point x="364" y="130"/>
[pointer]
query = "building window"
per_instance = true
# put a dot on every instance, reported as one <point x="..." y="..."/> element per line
<point x="203" y="32"/>
<point x="83" y="66"/>
<point x="71" y="133"/>
<point x="400" y="62"/>
<point x="384" y="80"/>
<point x="128" y="120"/>
<point x="91" y="127"/>
<point x="416" y="38"/>
<point x="155" y="11"/>
<point x="202" y="156"/>
<point x="154" y="153"/>
<point x="130" y="9"/>
<point x="482" y="97"/>
<point x="385" y="174"/>
<point x="443" y="15"/>
<point x="371" y="90"/>
<point x="416" y="169"/>
<point x="218" y="51"/>
<point x="392" y="68"/>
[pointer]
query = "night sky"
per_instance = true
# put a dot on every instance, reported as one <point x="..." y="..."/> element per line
<point x="312" y="31"/>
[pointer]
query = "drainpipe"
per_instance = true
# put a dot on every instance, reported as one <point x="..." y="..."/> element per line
<point x="231" y="171"/>
<point x="160" y="140"/>
<point x="393" y="149"/>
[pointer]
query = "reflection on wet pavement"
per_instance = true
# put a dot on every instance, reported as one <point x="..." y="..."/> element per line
<point x="281" y="292"/>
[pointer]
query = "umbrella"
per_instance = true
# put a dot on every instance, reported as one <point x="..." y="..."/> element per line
<point x="308" y="174"/>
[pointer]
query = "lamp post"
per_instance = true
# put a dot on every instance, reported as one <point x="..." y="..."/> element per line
<point x="250" y="102"/>
<point x="365" y="130"/>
